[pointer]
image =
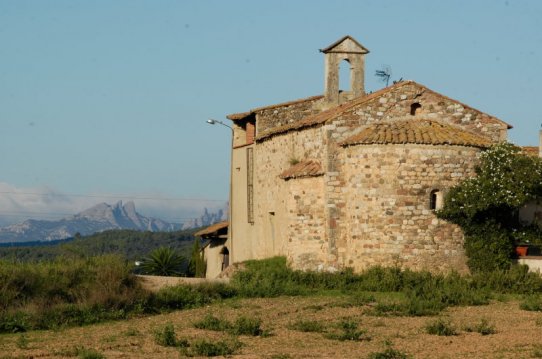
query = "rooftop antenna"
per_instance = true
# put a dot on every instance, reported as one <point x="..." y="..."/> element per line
<point x="384" y="74"/>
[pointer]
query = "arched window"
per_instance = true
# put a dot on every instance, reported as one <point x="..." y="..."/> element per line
<point x="345" y="73"/>
<point x="435" y="200"/>
<point x="414" y="108"/>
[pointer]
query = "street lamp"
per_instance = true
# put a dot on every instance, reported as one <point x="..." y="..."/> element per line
<point x="230" y="225"/>
<point x="214" y="122"/>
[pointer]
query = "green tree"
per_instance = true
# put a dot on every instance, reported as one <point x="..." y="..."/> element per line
<point x="197" y="265"/>
<point x="163" y="261"/>
<point x="487" y="206"/>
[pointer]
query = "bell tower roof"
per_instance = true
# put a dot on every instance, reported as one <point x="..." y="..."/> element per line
<point x="346" y="44"/>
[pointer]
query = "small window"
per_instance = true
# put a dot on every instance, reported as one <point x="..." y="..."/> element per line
<point x="435" y="200"/>
<point x="414" y="108"/>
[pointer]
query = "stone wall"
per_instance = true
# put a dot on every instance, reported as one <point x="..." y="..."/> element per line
<point x="274" y="206"/>
<point x="396" y="103"/>
<point x="386" y="219"/>
<point x="275" y="116"/>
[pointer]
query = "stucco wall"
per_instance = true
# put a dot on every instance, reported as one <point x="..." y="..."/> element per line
<point x="241" y="233"/>
<point x="213" y="258"/>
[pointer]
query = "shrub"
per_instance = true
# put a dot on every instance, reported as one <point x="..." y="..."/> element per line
<point x="307" y="326"/>
<point x="440" y="327"/>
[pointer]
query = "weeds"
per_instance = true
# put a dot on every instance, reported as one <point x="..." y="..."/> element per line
<point x="85" y="353"/>
<point x="440" y="327"/>
<point x="307" y="326"/>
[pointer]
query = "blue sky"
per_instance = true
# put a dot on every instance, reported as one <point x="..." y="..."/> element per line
<point x="108" y="99"/>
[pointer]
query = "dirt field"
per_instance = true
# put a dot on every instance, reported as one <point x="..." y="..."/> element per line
<point x="518" y="333"/>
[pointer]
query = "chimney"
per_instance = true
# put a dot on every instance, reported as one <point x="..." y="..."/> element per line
<point x="351" y="51"/>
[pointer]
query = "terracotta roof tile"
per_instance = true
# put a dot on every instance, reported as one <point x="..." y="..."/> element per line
<point x="416" y="131"/>
<point x="212" y="229"/>
<point x="334" y="112"/>
<point x="530" y="150"/>
<point x="308" y="168"/>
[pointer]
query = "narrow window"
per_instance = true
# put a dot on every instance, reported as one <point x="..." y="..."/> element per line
<point x="435" y="200"/>
<point x="225" y="257"/>
<point x="345" y="74"/>
<point x="414" y="108"/>
<point x="250" y="186"/>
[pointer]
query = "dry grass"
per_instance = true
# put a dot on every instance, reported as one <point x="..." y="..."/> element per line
<point x="518" y="333"/>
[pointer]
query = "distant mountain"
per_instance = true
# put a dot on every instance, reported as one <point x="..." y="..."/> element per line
<point x="95" y="219"/>
<point x="206" y="219"/>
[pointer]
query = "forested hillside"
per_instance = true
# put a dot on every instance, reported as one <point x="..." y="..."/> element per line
<point x="130" y="244"/>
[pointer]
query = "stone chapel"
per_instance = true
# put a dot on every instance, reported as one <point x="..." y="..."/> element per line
<point x="352" y="179"/>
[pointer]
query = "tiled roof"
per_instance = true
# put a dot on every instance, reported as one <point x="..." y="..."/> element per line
<point x="241" y="115"/>
<point x="416" y="131"/>
<point x="212" y="229"/>
<point x="308" y="168"/>
<point x="334" y="112"/>
<point x="530" y="150"/>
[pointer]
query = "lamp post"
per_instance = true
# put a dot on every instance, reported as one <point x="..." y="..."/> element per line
<point x="230" y="210"/>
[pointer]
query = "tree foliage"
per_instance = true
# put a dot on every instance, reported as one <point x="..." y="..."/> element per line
<point x="487" y="206"/>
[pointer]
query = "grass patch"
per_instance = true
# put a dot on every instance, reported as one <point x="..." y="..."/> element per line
<point x="242" y="326"/>
<point x="22" y="342"/>
<point x="347" y="329"/>
<point x="208" y="348"/>
<point x="532" y="303"/>
<point x="389" y="353"/>
<point x="307" y="326"/>
<point x="441" y="326"/>
<point x="210" y="322"/>
<point x="165" y="336"/>
<point x="483" y="327"/>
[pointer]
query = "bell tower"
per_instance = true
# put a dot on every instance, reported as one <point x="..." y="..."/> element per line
<point x="349" y="50"/>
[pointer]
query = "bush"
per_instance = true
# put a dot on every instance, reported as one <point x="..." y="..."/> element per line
<point x="440" y="327"/>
